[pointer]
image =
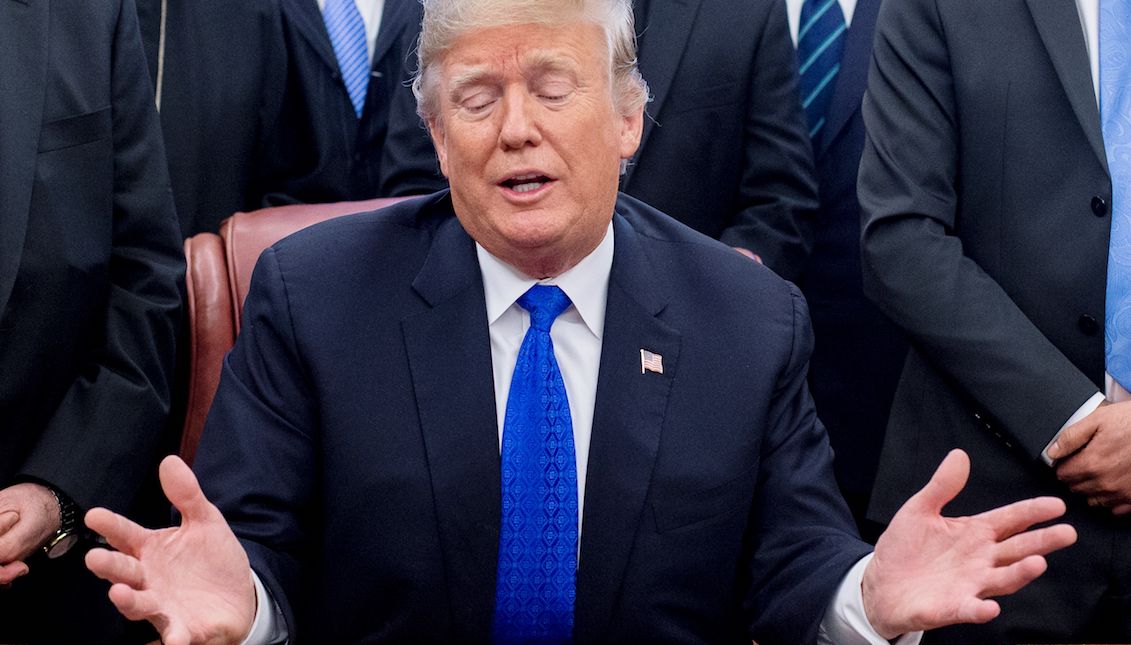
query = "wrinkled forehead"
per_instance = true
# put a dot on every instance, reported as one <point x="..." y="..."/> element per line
<point x="573" y="50"/>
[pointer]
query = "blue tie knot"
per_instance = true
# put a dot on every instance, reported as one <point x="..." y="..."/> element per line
<point x="545" y="303"/>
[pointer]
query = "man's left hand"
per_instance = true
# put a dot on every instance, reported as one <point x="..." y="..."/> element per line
<point x="1094" y="457"/>
<point x="929" y="571"/>
<point x="29" y="516"/>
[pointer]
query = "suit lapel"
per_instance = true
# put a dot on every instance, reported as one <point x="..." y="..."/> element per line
<point x="306" y="18"/>
<point x="665" y="33"/>
<point x="450" y="360"/>
<point x="395" y="17"/>
<point x="853" y="77"/>
<point x="23" y="50"/>
<point x="1058" y="23"/>
<point x="627" y="419"/>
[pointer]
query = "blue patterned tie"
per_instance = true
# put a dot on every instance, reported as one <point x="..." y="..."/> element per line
<point x="535" y="584"/>
<point x="347" y="35"/>
<point x="820" y="43"/>
<point x="1115" y="114"/>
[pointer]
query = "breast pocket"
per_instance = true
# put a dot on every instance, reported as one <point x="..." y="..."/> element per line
<point x="75" y="130"/>
<point x="697" y="507"/>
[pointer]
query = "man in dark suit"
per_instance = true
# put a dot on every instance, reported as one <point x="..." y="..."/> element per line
<point x="395" y="397"/>
<point x="219" y="70"/>
<point x="89" y="268"/>
<point x="988" y="204"/>
<point x="326" y="148"/>
<point x="857" y="351"/>
<point x="724" y="150"/>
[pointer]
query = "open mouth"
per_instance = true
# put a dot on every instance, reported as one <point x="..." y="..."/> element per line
<point x="525" y="183"/>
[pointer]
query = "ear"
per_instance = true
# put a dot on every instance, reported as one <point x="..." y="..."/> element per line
<point x="439" y="142"/>
<point x="631" y="129"/>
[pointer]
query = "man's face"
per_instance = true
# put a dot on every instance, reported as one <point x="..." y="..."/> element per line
<point x="531" y="142"/>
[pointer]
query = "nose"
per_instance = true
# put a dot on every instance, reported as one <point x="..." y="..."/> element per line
<point x="520" y="125"/>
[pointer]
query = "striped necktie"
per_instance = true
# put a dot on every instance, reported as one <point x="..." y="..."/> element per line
<point x="347" y="35"/>
<point x="535" y="584"/>
<point x="820" y="43"/>
<point x="1115" y="116"/>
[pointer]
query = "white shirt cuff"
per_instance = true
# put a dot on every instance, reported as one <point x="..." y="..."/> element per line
<point x="845" y="623"/>
<point x="269" y="627"/>
<point x="1084" y="410"/>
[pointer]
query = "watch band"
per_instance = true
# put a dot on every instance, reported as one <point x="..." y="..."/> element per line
<point x="67" y="535"/>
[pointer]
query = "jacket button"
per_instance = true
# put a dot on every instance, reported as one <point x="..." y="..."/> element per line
<point x="1099" y="206"/>
<point x="1088" y="325"/>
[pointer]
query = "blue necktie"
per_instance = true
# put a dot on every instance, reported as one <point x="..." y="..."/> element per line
<point x="820" y="43"/>
<point x="535" y="583"/>
<point x="347" y="35"/>
<point x="1115" y="115"/>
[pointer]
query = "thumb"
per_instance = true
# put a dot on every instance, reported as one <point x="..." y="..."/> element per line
<point x="1074" y="437"/>
<point x="183" y="490"/>
<point x="949" y="479"/>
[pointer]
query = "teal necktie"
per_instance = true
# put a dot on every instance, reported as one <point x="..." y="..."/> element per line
<point x="820" y="44"/>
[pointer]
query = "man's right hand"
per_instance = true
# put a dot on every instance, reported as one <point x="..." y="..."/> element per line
<point x="192" y="582"/>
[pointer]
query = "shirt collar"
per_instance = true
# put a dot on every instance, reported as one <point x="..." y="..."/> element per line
<point x="586" y="284"/>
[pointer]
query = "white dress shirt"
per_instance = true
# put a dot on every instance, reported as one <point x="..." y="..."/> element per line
<point x="370" y="11"/>
<point x="793" y="12"/>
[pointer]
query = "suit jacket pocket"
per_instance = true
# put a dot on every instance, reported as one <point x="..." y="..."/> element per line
<point x="686" y="509"/>
<point x="75" y="130"/>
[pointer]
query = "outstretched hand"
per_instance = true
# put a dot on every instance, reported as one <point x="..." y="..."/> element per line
<point x="929" y="571"/>
<point x="192" y="582"/>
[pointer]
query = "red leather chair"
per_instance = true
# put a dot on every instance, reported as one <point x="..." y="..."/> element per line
<point x="217" y="280"/>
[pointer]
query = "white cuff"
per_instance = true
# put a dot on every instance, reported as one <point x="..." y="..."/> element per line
<point x="845" y="622"/>
<point x="1084" y="410"/>
<point x="269" y="627"/>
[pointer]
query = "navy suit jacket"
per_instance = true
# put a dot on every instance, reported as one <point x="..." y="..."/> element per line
<point x="90" y="263"/>
<point x="725" y="149"/>
<point x="353" y="443"/>
<point x="858" y="352"/>
<point x="321" y="151"/>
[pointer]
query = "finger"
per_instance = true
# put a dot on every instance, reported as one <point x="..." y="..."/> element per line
<point x="1038" y="542"/>
<point x="183" y="490"/>
<point x="132" y="603"/>
<point x="1006" y="580"/>
<point x="1018" y="516"/>
<point x="8" y="519"/>
<point x="978" y="611"/>
<point x="122" y="533"/>
<point x="945" y="484"/>
<point x="11" y="571"/>
<point x="116" y="567"/>
<point x="1074" y="437"/>
<point x="176" y="634"/>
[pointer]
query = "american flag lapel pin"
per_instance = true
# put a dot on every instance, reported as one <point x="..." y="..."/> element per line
<point x="651" y="362"/>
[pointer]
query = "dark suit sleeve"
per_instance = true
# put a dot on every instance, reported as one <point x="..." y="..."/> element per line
<point x="777" y="198"/>
<point x="805" y="541"/>
<point x="103" y="437"/>
<point x="913" y="262"/>
<point x="257" y="459"/>
<point x="408" y="160"/>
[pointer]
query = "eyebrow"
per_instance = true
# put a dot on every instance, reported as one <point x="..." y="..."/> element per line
<point x="470" y="78"/>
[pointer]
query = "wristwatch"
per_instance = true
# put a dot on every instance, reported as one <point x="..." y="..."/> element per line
<point x="68" y="533"/>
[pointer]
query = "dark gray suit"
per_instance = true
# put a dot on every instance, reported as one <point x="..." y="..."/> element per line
<point x="90" y="261"/>
<point x="985" y="190"/>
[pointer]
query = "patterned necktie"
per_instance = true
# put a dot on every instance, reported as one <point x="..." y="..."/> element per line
<point x="1115" y="115"/>
<point x="347" y="35"/>
<point x="535" y="584"/>
<point x="820" y="43"/>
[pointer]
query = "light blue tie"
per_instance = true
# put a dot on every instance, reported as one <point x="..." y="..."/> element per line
<point x="537" y="570"/>
<point x="1115" y="115"/>
<point x="820" y="44"/>
<point x="347" y="35"/>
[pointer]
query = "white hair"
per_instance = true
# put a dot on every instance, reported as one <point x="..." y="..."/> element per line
<point x="446" y="20"/>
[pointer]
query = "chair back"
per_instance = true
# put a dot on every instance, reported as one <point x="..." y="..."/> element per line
<point x="216" y="284"/>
